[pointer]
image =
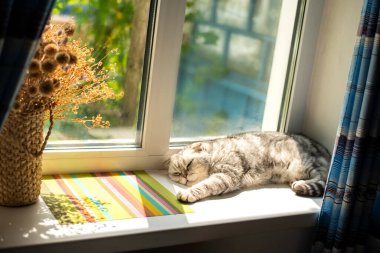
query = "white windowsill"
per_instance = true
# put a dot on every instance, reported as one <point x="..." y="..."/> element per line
<point x="34" y="229"/>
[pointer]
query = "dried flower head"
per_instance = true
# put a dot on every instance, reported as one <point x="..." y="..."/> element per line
<point x="73" y="58"/>
<point x="35" y="66"/>
<point x="69" y="30"/>
<point x="51" y="49"/>
<point x="46" y="88"/>
<point x="48" y="65"/>
<point x="32" y="90"/>
<point x="62" y="58"/>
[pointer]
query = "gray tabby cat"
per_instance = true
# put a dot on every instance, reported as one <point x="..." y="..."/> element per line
<point x="223" y="165"/>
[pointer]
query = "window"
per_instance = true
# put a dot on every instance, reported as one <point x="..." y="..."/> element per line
<point x="226" y="62"/>
<point x="210" y="68"/>
<point x="119" y="34"/>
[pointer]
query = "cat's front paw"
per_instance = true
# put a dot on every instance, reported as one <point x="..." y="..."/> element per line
<point x="186" y="196"/>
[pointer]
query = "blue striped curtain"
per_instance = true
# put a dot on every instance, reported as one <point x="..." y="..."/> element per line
<point x="350" y="215"/>
<point x="21" y="25"/>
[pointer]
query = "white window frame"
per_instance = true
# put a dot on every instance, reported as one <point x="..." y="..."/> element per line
<point x="273" y="102"/>
<point x="155" y="147"/>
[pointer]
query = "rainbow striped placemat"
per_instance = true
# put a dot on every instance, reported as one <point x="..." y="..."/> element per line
<point x="81" y="198"/>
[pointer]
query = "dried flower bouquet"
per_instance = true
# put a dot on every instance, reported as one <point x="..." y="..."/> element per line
<point x="63" y="75"/>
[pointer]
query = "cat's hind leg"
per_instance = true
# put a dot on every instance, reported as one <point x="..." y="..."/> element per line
<point x="215" y="184"/>
<point x="313" y="187"/>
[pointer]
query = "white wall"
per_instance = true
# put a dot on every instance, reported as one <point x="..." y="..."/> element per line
<point x="332" y="61"/>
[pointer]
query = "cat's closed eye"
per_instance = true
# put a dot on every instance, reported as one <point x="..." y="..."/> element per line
<point x="189" y="164"/>
<point x="177" y="174"/>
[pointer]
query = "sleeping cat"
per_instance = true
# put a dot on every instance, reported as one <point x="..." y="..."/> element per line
<point x="227" y="164"/>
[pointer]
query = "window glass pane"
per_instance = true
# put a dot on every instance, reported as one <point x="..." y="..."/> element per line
<point x="226" y="62"/>
<point x="117" y="31"/>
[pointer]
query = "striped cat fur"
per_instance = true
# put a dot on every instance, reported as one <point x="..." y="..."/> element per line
<point x="250" y="159"/>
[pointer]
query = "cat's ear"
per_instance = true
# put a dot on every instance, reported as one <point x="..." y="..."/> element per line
<point x="166" y="163"/>
<point x="199" y="147"/>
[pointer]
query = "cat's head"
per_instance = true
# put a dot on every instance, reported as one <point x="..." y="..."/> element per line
<point x="190" y="165"/>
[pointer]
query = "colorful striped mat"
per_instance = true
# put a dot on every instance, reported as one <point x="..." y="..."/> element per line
<point x="81" y="198"/>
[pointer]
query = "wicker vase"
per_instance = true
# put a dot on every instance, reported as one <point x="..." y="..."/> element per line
<point x="21" y="144"/>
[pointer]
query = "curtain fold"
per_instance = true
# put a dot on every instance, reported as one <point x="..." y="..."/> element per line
<point x="350" y="215"/>
<point x="21" y="26"/>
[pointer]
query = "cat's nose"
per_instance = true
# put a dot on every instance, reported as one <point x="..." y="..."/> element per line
<point x="183" y="181"/>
